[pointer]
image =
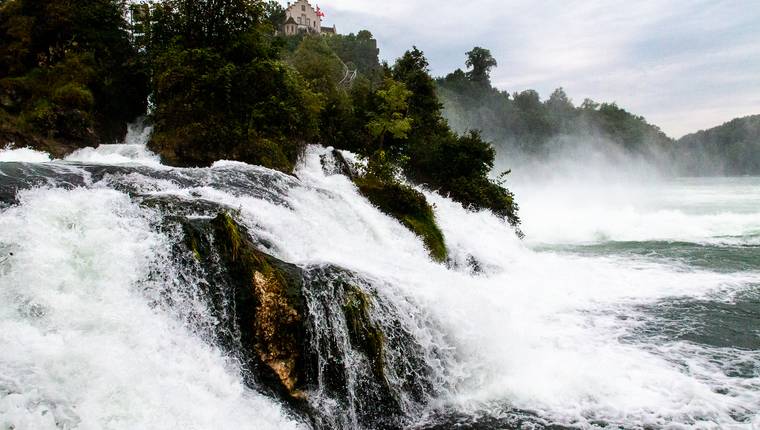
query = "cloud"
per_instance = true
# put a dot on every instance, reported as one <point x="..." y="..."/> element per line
<point x="683" y="64"/>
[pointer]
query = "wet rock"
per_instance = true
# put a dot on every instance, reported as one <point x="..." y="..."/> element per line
<point x="365" y="335"/>
<point x="336" y="164"/>
<point x="363" y="358"/>
<point x="13" y="137"/>
<point x="311" y="336"/>
<point x="268" y="306"/>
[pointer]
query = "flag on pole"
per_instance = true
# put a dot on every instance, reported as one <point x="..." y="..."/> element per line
<point x="320" y="13"/>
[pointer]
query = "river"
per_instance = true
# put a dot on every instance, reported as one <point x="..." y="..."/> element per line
<point x="628" y="304"/>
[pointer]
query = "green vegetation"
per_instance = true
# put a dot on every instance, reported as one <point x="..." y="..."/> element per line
<point x="433" y="154"/>
<point x="408" y="206"/>
<point x="523" y="121"/>
<point x="481" y="61"/>
<point x="68" y="71"/>
<point x="730" y="149"/>
<point x="358" y="52"/>
<point x="393" y="118"/>
<point x="220" y="89"/>
<point x="224" y="85"/>
<point x="390" y="118"/>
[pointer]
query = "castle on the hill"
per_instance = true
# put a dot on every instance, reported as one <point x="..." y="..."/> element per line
<point x="301" y="17"/>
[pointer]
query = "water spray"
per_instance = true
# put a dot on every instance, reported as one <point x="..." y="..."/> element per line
<point x="6" y="258"/>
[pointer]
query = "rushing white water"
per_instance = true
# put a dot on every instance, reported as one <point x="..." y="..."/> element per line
<point x="539" y="329"/>
<point x="132" y="151"/>
<point x="545" y="331"/>
<point x="82" y="347"/>
<point x="23" y="155"/>
<point x="723" y="210"/>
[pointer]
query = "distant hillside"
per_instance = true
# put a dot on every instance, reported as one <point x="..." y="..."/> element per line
<point x="730" y="149"/>
<point x="524" y="122"/>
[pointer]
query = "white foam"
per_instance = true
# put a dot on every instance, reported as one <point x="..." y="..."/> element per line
<point x="23" y="155"/>
<point x="82" y="347"/>
<point x="133" y="151"/>
<point x="538" y="330"/>
<point x="700" y="211"/>
<point x="116" y="154"/>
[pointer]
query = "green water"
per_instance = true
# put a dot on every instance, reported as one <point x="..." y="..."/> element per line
<point x="691" y="225"/>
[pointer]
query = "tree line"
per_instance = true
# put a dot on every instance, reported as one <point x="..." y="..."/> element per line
<point x="524" y="121"/>
<point x="732" y="148"/>
<point x="217" y="81"/>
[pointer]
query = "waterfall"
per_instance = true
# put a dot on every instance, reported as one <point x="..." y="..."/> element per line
<point x="119" y="308"/>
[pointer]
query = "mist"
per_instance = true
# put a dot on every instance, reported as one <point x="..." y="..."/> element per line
<point x="554" y="136"/>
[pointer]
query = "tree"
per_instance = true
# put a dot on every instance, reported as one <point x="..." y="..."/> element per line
<point x="561" y="110"/>
<point x="68" y="69"/>
<point x="359" y="51"/>
<point x="391" y="118"/>
<point x="274" y="14"/>
<point x="316" y="62"/>
<point x="424" y="107"/>
<point x="221" y="90"/>
<point x="559" y="101"/>
<point x="481" y="61"/>
<point x="206" y="23"/>
<point x="589" y="105"/>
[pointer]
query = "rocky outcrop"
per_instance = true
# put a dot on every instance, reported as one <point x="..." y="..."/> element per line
<point x="268" y="312"/>
<point x="57" y="148"/>
<point x="335" y="163"/>
<point x="365" y="336"/>
<point x="180" y="150"/>
<point x="309" y="335"/>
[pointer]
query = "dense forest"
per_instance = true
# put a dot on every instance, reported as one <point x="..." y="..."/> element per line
<point x="217" y="81"/>
<point x="69" y="75"/>
<point x="524" y="122"/>
<point x="730" y="149"/>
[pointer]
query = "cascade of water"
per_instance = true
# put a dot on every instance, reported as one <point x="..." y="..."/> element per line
<point x="132" y="151"/>
<point x="503" y="326"/>
<point x="84" y="343"/>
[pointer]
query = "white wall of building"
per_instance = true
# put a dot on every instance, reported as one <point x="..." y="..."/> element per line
<point x="305" y="16"/>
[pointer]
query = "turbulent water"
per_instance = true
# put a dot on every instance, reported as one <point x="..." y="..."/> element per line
<point x="634" y="306"/>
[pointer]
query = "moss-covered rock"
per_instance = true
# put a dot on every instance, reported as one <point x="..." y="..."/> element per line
<point x="269" y="308"/>
<point x="408" y="206"/>
<point x="365" y="335"/>
<point x="200" y="145"/>
<point x="300" y="331"/>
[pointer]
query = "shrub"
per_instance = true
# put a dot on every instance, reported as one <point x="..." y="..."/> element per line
<point x="73" y="96"/>
<point x="41" y="116"/>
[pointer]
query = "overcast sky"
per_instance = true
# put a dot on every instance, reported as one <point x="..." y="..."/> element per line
<point x="683" y="64"/>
